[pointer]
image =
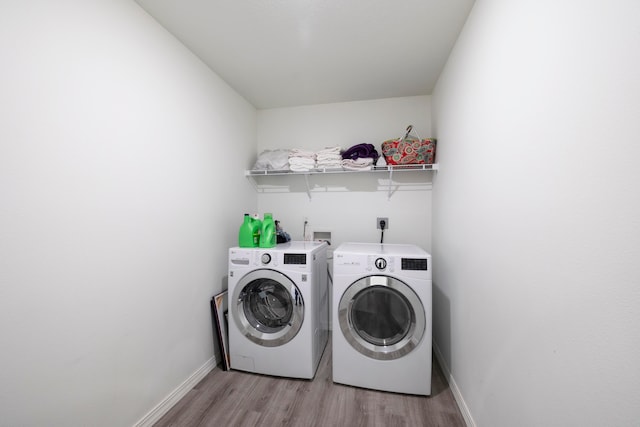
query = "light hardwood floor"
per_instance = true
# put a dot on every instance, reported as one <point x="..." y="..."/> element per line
<point x="234" y="398"/>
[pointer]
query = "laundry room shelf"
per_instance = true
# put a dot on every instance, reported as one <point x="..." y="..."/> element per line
<point x="255" y="175"/>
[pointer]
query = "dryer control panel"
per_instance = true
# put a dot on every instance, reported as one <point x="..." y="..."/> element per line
<point x="395" y="260"/>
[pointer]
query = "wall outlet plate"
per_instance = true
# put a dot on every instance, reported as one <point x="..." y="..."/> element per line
<point x="386" y="222"/>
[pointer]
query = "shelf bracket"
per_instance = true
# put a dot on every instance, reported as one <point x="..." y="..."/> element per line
<point x="253" y="183"/>
<point x="306" y="181"/>
<point x="390" y="182"/>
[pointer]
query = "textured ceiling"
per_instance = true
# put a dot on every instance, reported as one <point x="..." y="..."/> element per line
<point x="280" y="53"/>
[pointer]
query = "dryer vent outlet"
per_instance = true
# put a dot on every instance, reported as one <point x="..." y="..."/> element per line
<point x="322" y="236"/>
<point x="379" y="223"/>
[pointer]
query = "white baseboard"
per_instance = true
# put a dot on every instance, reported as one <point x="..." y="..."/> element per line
<point x="167" y="403"/>
<point x="464" y="409"/>
<point x="174" y="397"/>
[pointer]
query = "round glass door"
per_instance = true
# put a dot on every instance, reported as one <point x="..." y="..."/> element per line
<point x="269" y="308"/>
<point x="381" y="317"/>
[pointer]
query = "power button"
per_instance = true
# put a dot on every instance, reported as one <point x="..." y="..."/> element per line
<point x="381" y="263"/>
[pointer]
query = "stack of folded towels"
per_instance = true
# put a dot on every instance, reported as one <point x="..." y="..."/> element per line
<point x="329" y="158"/>
<point x="301" y="160"/>
<point x="360" y="157"/>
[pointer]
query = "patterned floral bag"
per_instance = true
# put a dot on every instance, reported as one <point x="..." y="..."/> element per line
<point x="409" y="150"/>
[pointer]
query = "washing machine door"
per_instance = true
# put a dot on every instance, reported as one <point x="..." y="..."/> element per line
<point x="381" y="317"/>
<point x="269" y="309"/>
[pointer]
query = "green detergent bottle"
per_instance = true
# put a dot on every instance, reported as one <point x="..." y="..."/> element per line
<point x="257" y="228"/>
<point x="245" y="235"/>
<point x="268" y="232"/>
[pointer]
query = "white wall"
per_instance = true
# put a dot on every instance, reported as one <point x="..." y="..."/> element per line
<point x="536" y="207"/>
<point x="348" y="205"/>
<point x="116" y="181"/>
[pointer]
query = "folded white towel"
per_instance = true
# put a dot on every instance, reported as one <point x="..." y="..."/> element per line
<point x="329" y="150"/>
<point x="329" y="165"/>
<point x="297" y="152"/>
<point x="321" y="157"/>
<point x="301" y="164"/>
<point x="301" y="167"/>
<point x="305" y="161"/>
<point x="361" y="163"/>
<point x="330" y="161"/>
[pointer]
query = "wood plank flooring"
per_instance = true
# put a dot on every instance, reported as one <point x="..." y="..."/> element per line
<point x="235" y="398"/>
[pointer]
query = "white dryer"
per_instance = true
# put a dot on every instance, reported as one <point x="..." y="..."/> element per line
<point x="279" y="308"/>
<point x="382" y="317"/>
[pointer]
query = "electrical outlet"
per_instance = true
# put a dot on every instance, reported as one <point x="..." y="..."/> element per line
<point x="306" y="230"/>
<point x="386" y="223"/>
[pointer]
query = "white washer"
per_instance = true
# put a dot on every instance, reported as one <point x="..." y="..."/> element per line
<point x="382" y="317"/>
<point x="279" y="308"/>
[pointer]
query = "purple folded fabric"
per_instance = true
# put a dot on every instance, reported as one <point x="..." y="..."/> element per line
<point x="361" y="150"/>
